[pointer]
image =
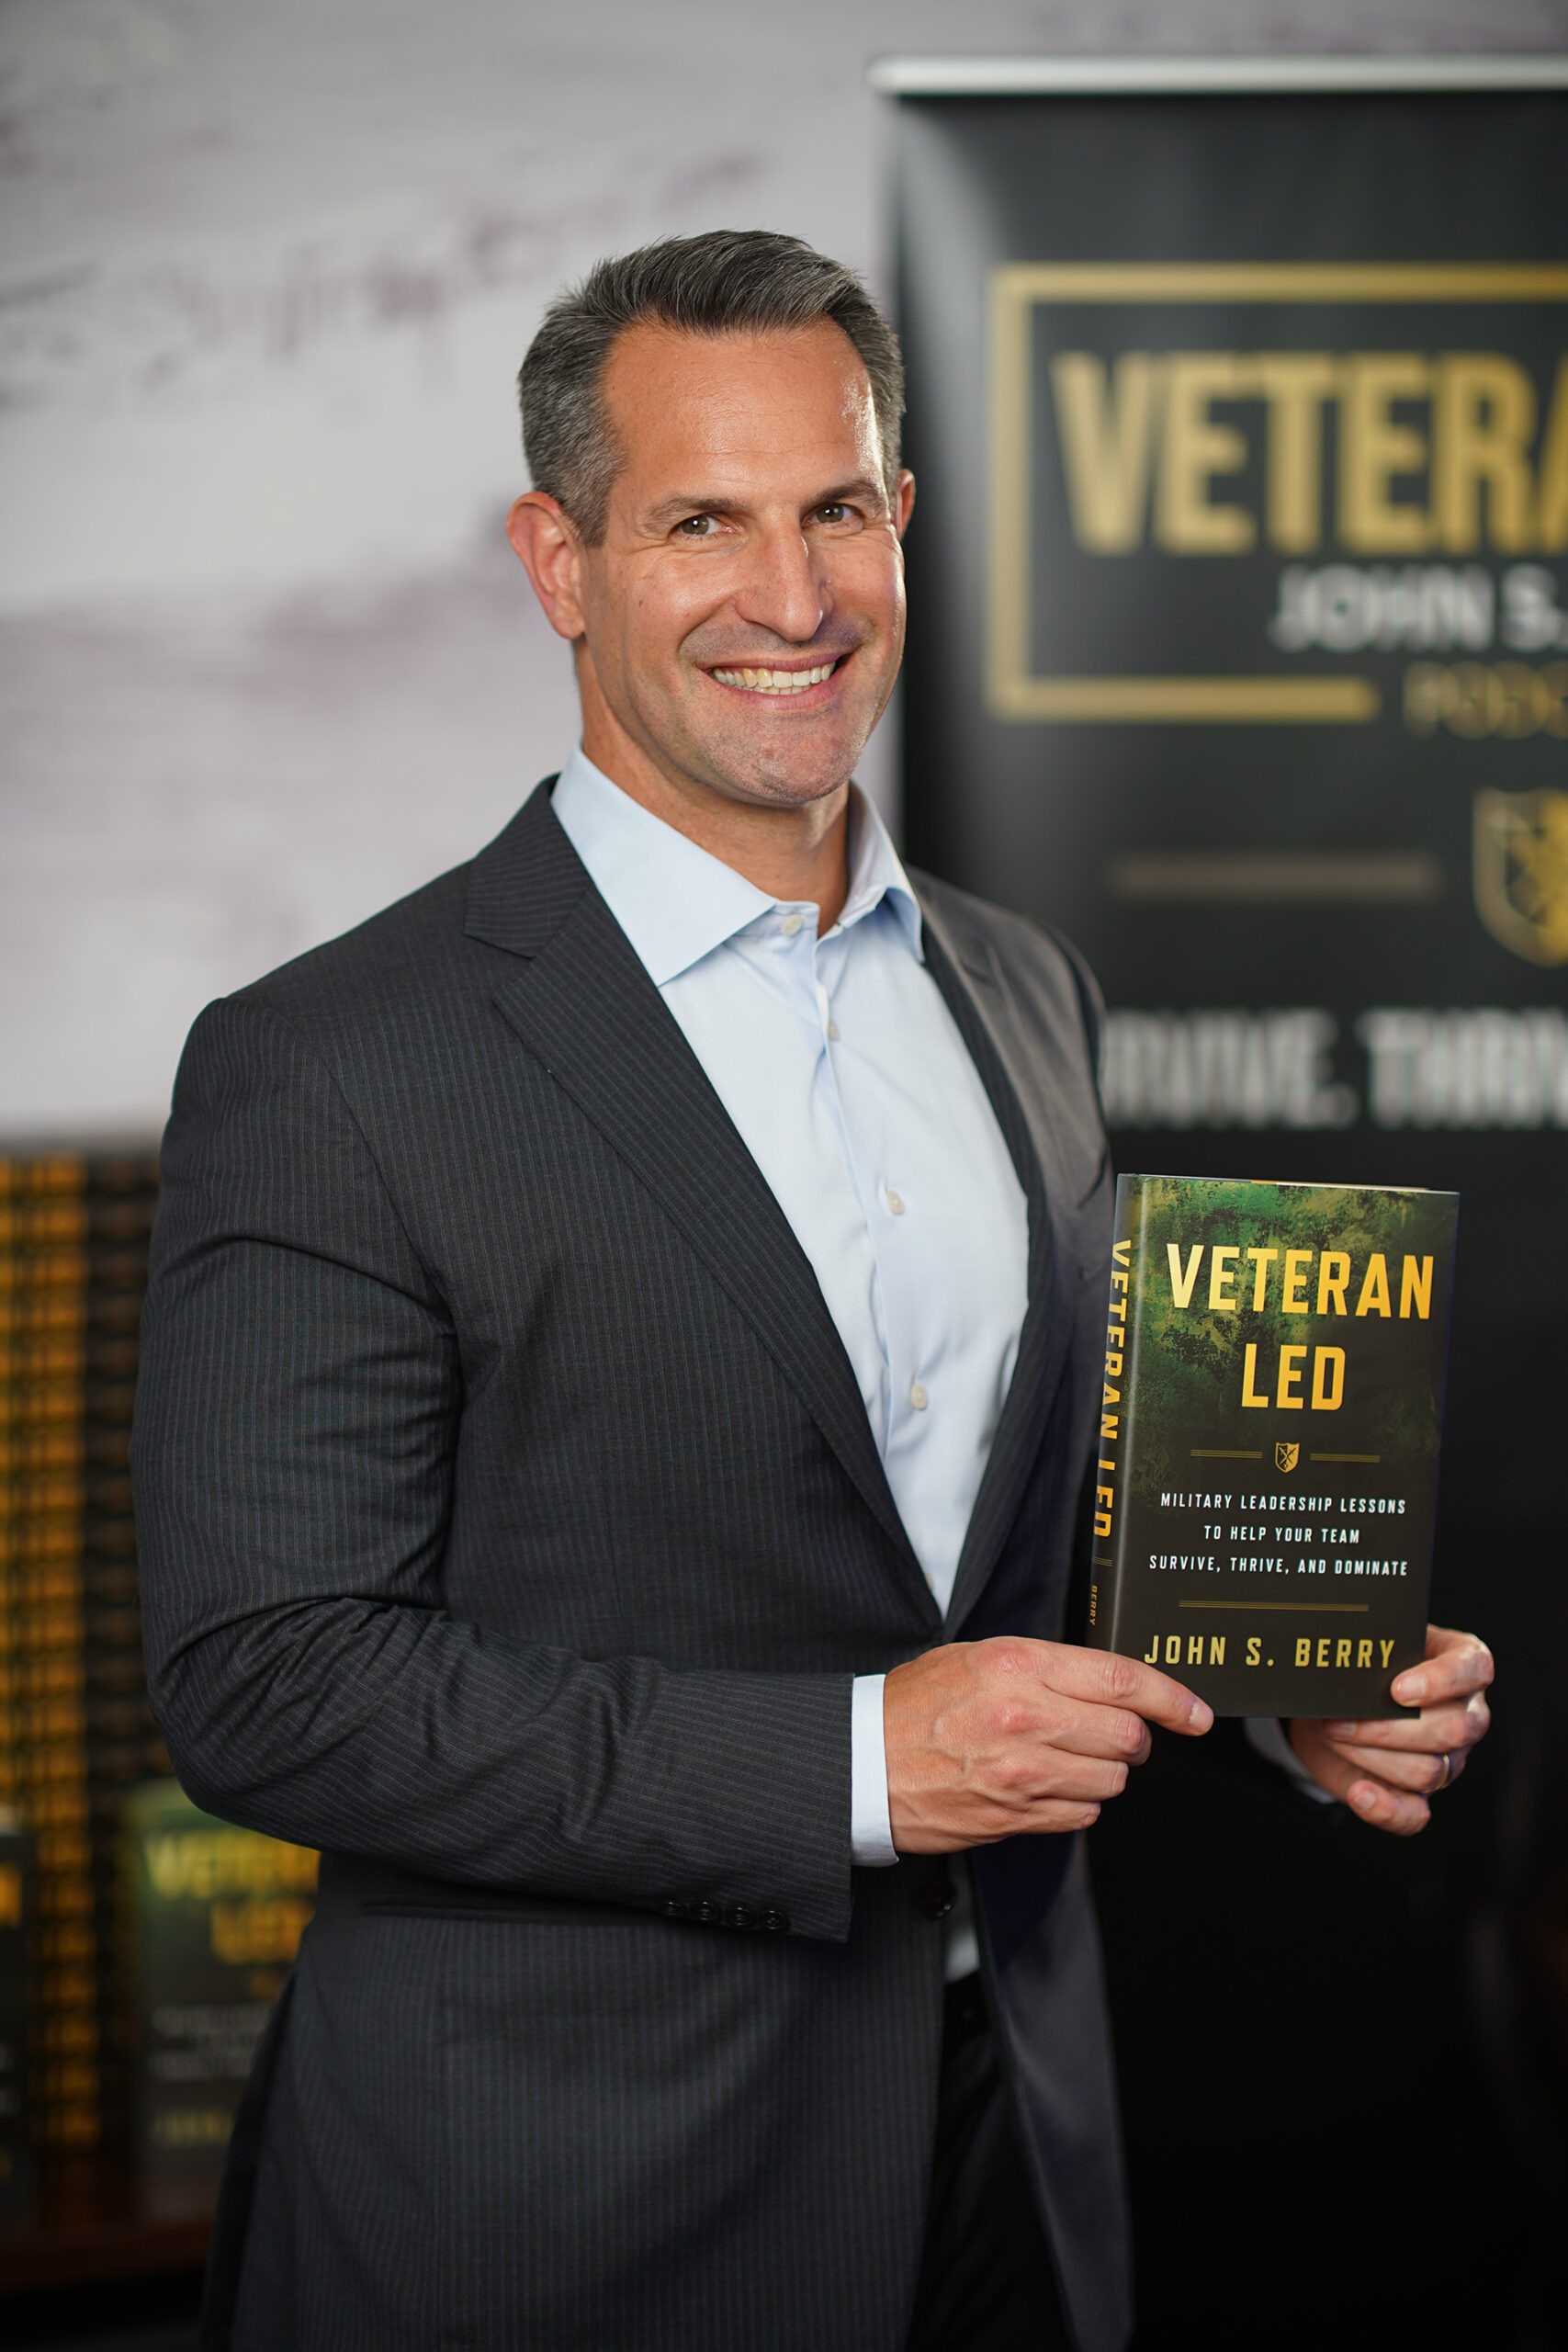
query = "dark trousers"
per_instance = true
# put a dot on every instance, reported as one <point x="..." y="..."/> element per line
<point x="986" y="2280"/>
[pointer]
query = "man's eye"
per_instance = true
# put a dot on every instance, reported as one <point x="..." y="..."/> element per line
<point x="696" y="527"/>
<point x="836" y="511"/>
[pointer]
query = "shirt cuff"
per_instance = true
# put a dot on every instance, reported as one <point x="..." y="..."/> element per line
<point x="1268" y="1737"/>
<point x="871" y="1830"/>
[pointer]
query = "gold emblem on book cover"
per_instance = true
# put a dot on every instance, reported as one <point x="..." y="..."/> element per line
<point x="1521" y="871"/>
<point x="1286" y="1457"/>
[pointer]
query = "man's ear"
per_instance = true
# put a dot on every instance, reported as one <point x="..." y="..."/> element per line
<point x="545" y="542"/>
<point x="903" y="501"/>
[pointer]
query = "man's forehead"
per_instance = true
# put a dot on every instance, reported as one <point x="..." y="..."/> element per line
<point x="675" y="395"/>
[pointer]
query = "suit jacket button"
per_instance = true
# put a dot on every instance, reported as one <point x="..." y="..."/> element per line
<point x="673" y="1908"/>
<point x="937" y="1897"/>
<point x="776" y="1922"/>
<point x="742" y="1915"/>
<point x="707" y="1912"/>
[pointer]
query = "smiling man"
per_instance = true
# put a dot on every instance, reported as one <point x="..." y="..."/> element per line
<point x="618" y="1374"/>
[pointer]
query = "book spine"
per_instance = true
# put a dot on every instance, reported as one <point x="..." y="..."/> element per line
<point x="15" y="2170"/>
<point x="1107" y="1589"/>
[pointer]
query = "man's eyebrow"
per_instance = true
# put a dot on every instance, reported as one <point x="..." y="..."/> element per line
<point x="670" y="510"/>
<point x="863" y="486"/>
<point x="674" y="510"/>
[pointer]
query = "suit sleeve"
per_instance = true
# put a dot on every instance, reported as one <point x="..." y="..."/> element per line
<point x="299" y="1413"/>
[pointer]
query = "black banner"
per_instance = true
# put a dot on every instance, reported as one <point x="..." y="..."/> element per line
<point x="1239" y="652"/>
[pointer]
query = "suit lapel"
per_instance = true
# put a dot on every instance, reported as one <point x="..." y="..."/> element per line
<point x="966" y="970"/>
<point x="580" y="1001"/>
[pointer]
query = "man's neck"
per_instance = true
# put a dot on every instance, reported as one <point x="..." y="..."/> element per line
<point x="798" y="854"/>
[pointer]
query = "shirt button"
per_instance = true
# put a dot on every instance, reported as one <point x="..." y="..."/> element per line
<point x="833" y="1031"/>
<point x="790" y="925"/>
<point x="895" y="1202"/>
<point x="918" y="1396"/>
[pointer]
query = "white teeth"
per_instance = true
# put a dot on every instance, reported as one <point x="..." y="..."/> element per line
<point x="775" y="681"/>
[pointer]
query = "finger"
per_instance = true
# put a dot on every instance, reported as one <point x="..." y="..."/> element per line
<point x="1080" y="1779"/>
<point x="1428" y="1734"/>
<point x="1373" y="1801"/>
<point x="1369" y="1796"/>
<point x="1078" y="1729"/>
<point x="1052" y="1818"/>
<point x="1047" y="1816"/>
<point x="1105" y="1679"/>
<point x="1456" y="1663"/>
<point x="1424" y="1774"/>
<point x="1027" y="1772"/>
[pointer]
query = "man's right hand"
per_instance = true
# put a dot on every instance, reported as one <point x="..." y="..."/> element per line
<point x="997" y="1739"/>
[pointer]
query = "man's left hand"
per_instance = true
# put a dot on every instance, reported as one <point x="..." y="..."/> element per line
<point x="1386" y="1768"/>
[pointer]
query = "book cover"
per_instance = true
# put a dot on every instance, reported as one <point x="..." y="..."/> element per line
<point x="215" y="1914"/>
<point x="1265" y="1484"/>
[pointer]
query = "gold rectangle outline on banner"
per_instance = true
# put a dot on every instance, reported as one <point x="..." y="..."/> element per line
<point x="1017" y="287"/>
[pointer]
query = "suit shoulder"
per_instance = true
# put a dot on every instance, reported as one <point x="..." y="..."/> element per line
<point x="398" y="955"/>
<point x="1026" y="950"/>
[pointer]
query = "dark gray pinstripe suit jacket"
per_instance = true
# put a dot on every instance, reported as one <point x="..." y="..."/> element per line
<point x="512" y="1530"/>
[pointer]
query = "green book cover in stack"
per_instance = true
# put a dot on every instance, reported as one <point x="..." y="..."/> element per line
<point x="216" y="1916"/>
<point x="1265" y="1488"/>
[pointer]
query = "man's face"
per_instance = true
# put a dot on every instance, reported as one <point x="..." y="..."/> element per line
<point x="744" y="616"/>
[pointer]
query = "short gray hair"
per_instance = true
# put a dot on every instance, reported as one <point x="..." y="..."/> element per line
<point x="727" y="281"/>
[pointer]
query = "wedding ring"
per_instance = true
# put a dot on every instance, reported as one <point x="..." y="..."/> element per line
<point x="1448" y="1772"/>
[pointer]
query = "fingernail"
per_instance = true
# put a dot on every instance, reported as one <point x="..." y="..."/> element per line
<point x="1364" y="1799"/>
<point x="1200" y="1715"/>
<point x="1408" y="1688"/>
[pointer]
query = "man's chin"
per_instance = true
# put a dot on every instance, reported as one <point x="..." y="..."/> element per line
<point x="785" y="766"/>
<point x="782" y="785"/>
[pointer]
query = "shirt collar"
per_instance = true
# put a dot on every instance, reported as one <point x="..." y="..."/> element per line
<point x="675" y="902"/>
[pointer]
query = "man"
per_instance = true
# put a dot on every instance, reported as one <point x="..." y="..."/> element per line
<point x="617" y="1380"/>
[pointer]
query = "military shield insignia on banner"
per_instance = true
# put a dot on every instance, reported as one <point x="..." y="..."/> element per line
<point x="1286" y="1457"/>
<point x="1521" y="871"/>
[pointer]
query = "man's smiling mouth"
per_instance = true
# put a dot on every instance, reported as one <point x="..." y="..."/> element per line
<point x="776" y="681"/>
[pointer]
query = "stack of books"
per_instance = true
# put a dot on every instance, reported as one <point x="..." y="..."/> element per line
<point x="76" y="1729"/>
<point x="142" y="1942"/>
<point x="119" y="1194"/>
<point x="43" y="1761"/>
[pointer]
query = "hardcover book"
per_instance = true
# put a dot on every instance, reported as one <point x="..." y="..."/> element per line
<point x="216" y="1914"/>
<point x="1266" y="1483"/>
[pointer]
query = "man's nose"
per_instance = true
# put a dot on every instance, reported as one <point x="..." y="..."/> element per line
<point x="784" y="590"/>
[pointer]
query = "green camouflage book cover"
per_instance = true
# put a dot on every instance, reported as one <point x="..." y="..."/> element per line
<point x="1266" y="1487"/>
<point x="216" y="1914"/>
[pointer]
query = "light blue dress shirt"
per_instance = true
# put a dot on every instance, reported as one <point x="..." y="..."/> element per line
<point x="846" y="1076"/>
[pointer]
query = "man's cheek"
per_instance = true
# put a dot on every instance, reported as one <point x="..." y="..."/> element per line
<point x="872" y="592"/>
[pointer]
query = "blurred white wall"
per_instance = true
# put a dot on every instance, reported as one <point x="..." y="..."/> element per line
<point x="265" y="277"/>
